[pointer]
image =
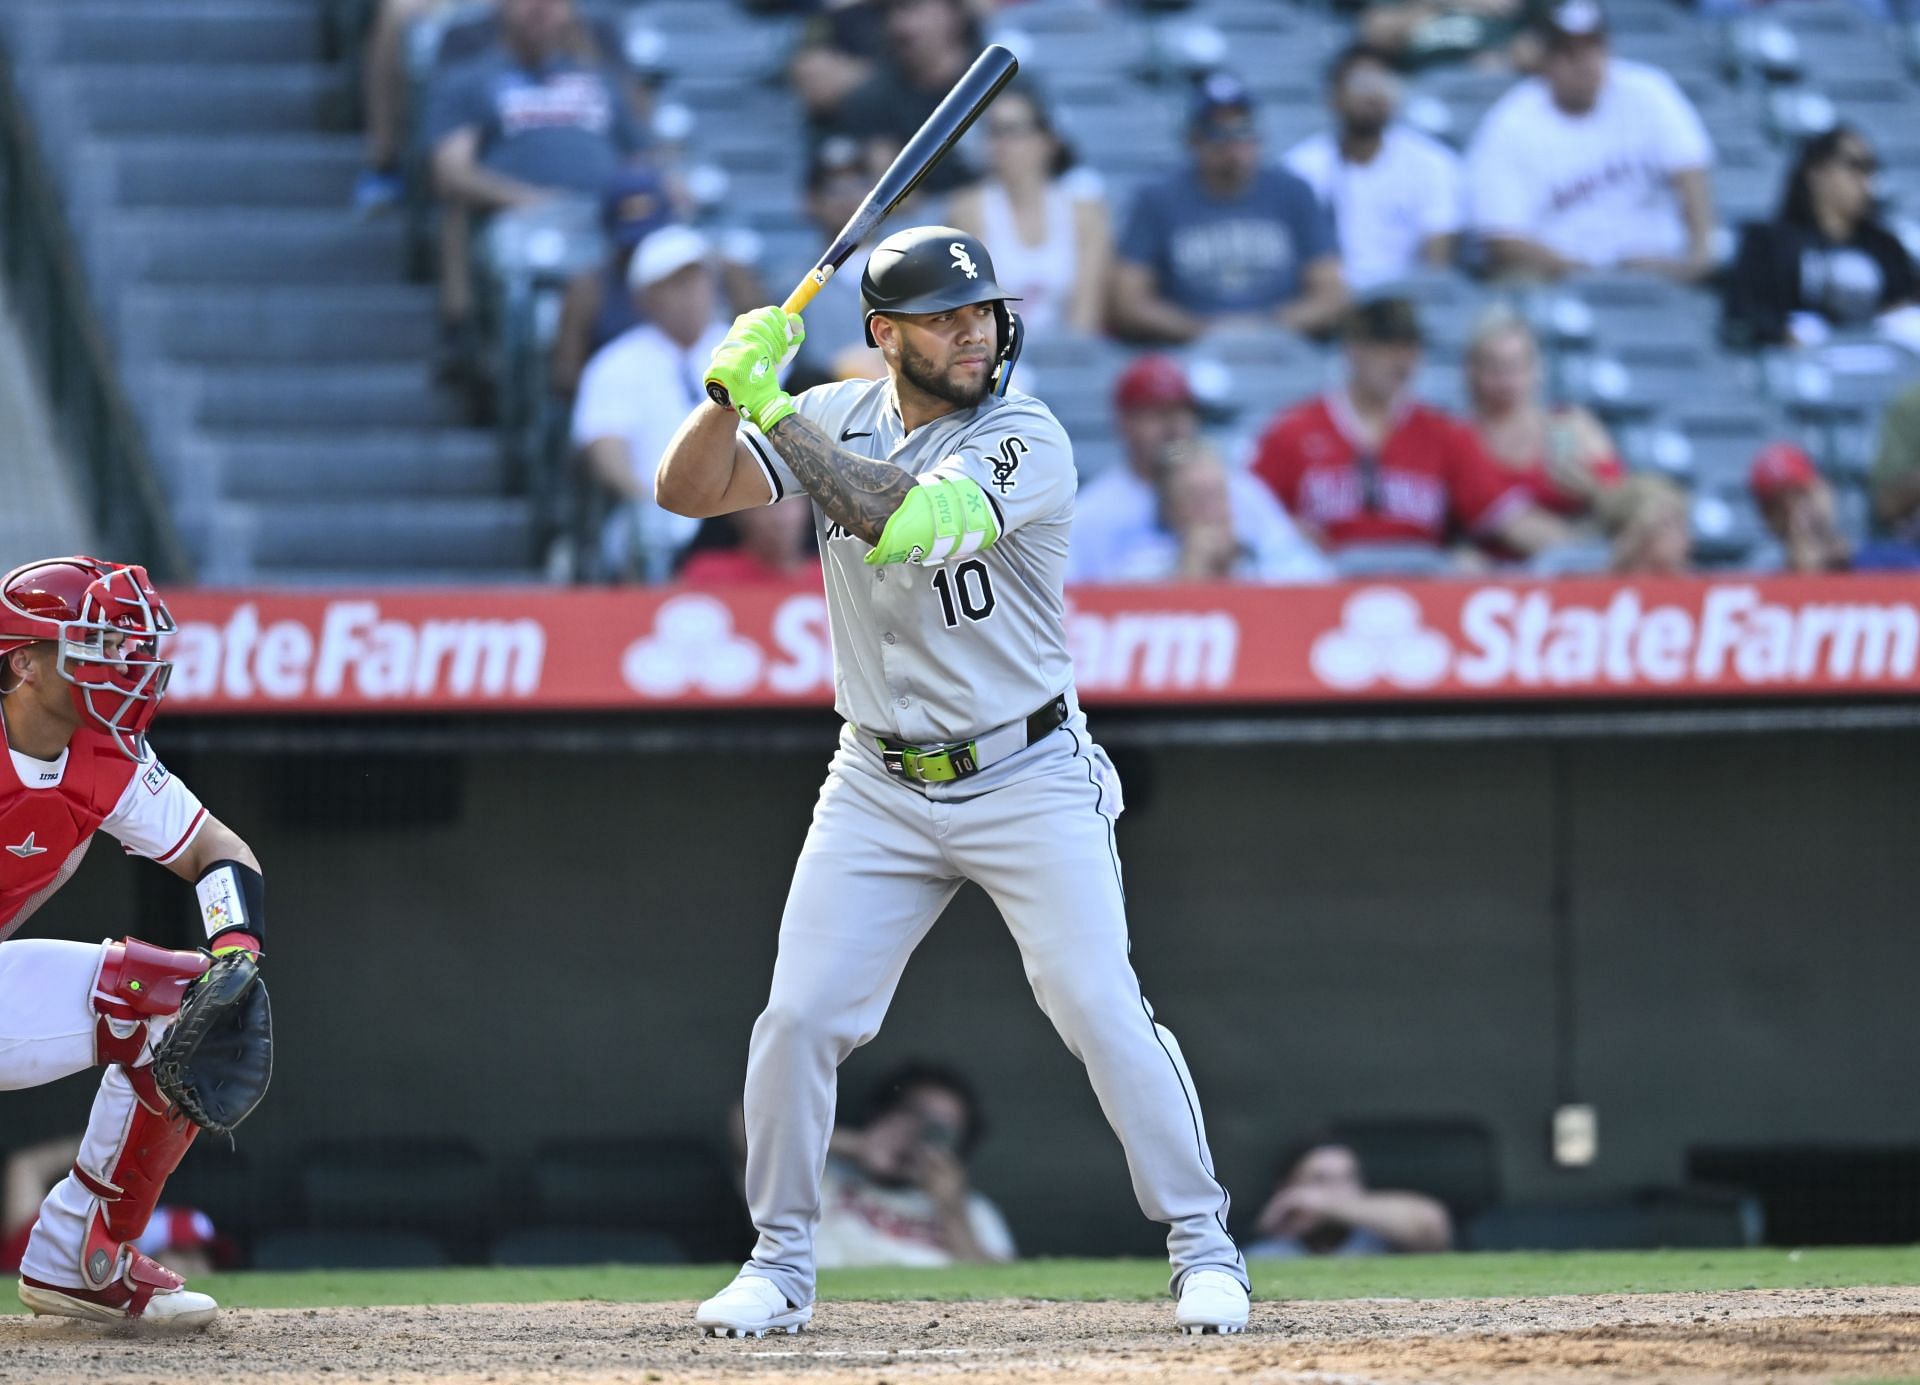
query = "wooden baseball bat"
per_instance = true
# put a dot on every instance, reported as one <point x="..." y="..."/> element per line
<point x="951" y="119"/>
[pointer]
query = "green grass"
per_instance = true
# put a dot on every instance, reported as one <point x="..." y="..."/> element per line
<point x="1434" y="1276"/>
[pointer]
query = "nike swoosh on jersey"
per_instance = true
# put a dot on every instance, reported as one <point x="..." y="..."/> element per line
<point x="849" y="435"/>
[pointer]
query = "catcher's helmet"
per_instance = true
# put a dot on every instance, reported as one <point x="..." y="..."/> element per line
<point x="75" y="603"/>
<point x="928" y="269"/>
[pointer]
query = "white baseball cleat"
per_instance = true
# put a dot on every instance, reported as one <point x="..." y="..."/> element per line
<point x="1211" y="1301"/>
<point x="145" y="1293"/>
<point x="750" y="1307"/>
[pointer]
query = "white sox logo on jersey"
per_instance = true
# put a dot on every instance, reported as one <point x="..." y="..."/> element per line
<point x="963" y="261"/>
<point x="1011" y="451"/>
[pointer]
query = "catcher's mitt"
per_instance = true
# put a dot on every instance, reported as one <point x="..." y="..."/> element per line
<point x="217" y="1059"/>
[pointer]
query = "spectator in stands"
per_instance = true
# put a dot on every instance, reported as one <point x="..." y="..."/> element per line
<point x="1366" y="464"/>
<point x="1394" y="194"/>
<point x="929" y="44"/>
<point x="1430" y="33"/>
<point x="181" y="1238"/>
<point x="769" y="543"/>
<point x="1797" y="505"/>
<point x="1225" y="241"/>
<point x="1321" y="1205"/>
<point x="543" y="111"/>
<point x="383" y="96"/>
<point x="836" y="53"/>
<point x="1598" y="162"/>
<point x="896" y="1190"/>
<point x="1646" y="522"/>
<point x="1896" y="489"/>
<point x="1560" y="454"/>
<point x="1044" y="216"/>
<point x="1137" y="523"/>
<point x="637" y="389"/>
<point x="598" y="306"/>
<point x="839" y="177"/>
<point x="1825" y="261"/>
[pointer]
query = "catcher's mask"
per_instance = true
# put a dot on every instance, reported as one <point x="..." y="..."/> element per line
<point x="106" y="621"/>
<point x="929" y="269"/>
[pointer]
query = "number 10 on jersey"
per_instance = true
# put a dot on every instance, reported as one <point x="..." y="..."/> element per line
<point x="965" y="590"/>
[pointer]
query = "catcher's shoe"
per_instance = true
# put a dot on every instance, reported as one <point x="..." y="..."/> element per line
<point x="750" y="1307"/>
<point x="1211" y="1301"/>
<point x="146" y="1293"/>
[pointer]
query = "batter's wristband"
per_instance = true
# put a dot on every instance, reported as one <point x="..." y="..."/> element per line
<point x="233" y="900"/>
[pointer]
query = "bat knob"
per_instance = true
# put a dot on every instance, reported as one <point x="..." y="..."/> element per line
<point x="717" y="392"/>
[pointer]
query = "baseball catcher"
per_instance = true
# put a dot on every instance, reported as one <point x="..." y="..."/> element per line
<point x="185" y="1037"/>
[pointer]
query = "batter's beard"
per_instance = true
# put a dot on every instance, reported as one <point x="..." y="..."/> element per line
<point x="918" y="371"/>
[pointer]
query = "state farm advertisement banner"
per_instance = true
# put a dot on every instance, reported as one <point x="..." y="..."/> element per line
<point x="558" y="649"/>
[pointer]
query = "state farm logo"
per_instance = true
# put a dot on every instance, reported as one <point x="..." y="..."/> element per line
<point x="1515" y="637"/>
<point x="355" y="649"/>
<point x="1380" y="637"/>
<point x="693" y="648"/>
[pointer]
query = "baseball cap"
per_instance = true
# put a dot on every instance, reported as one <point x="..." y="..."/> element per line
<point x="833" y="156"/>
<point x="1222" y="108"/>
<point x="1388" y="321"/>
<point x="1152" y="382"/>
<point x="665" y="253"/>
<point x="634" y="206"/>
<point x="1778" y="468"/>
<point x="1574" y="19"/>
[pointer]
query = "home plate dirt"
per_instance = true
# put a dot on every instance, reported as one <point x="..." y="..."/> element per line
<point x="1768" y="1335"/>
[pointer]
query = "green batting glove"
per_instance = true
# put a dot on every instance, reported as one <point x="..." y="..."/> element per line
<point x="747" y="364"/>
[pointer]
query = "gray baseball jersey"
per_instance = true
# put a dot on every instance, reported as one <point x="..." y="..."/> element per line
<point x="944" y="652"/>
<point x="948" y="652"/>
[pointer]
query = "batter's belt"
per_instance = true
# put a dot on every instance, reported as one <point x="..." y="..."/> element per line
<point x="943" y="764"/>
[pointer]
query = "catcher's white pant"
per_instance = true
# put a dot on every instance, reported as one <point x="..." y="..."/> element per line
<point x="47" y="1028"/>
<point x="880" y="863"/>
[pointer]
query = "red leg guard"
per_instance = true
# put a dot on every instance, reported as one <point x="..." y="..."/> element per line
<point x="156" y="1143"/>
<point x="127" y="1296"/>
<point x="138" y="982"/>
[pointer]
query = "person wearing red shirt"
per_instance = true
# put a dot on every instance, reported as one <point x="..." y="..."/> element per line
<point x="771" y="547"/>
<point x="1367" y="464"/>
<point x="1560" y="454"/>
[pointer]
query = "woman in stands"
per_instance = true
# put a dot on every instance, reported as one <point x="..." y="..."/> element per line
<point x="1826" y="262"/>
<point x="1045" y="218"/>
<point x="1560" y="454"/>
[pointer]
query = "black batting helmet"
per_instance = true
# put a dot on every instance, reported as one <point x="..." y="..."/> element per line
<point x="928" y="269"/>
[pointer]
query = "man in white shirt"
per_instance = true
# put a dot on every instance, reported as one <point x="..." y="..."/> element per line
<point x="896" y="1190"/>
<point x="1395" y="194"/>
<point x="1596" y="163"/>
<point x="636" y="390"/>
<point x="1119" y="531"/>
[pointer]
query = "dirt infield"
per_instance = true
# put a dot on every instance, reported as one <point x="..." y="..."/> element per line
<point x="1771" y="1335"/>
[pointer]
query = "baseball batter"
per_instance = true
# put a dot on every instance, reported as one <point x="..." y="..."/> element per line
<point x="80" y="681"/>
<point x="944" y="502"/>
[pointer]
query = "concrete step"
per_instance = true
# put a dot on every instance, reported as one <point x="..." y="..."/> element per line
<point x="257" y="464"/>
<point x="260" y="98"/>
<point x="315" y="324"/>
<point x="179" y="32"/>
<point x="377" y="536"/>
<point x="306" y="396"/>
<point x="290" y="172"/>
<point x="257" y="247"/>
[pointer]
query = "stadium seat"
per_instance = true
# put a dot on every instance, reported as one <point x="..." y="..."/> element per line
<point x="346" y="1250"/>
<point x="678" y="1188"/>
<point x="437" y="1190"/>
<point x="1451" y="1158"/>
<point x="1677" y="1220"/>
<point x="1822" y="1194"/>
<point x="567" y="1245"/>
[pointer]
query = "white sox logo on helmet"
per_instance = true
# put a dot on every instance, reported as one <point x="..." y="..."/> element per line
<point x="963" y="261"/>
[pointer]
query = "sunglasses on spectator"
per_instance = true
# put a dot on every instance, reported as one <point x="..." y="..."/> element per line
<point x="1863" y="164"/>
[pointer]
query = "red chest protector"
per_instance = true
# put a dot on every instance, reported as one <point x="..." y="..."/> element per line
<point x="44" y="832"/>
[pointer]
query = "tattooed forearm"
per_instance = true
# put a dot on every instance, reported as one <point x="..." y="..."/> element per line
<point x="857" y="493"/>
